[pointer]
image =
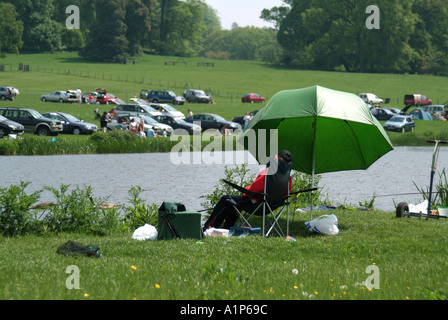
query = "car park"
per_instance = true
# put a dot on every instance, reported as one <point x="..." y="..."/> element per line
<point x="136" y="109"/>
<point x="252" y="97"/>
<point x="240" y="119"/>
<point x="400" y="123"/>
<point x="198" y="96"/>
<point x="165" y="96"/>
<point x="33" y="121"/>
<point x="371" y="98"/>
<point x="60" y="96"/>
<point x="71" y="124"/>
<point x="166" y="108"/>
<point x="178" y="124"/>
<point x="381" y="113"/>
<point x="8" y="127"/>
<point x="7" y="93"/>
<point x="213" y="121"/>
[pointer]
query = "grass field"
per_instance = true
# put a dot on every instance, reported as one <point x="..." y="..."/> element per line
<point x="227" y="81"/>
<point x="409" y="255"/>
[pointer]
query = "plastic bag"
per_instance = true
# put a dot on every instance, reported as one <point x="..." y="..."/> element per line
<point x="326" y="224"/>
<point x="147" y="232"/>
<point x="214" y="232"/>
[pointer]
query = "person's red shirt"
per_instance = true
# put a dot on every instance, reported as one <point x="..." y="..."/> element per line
<point x="258" y="185"/>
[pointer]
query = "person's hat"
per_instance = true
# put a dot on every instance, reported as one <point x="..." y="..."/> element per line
<point x="285" y="155"/>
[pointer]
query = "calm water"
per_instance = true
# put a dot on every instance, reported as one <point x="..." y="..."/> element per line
<point x="165" y="179"/>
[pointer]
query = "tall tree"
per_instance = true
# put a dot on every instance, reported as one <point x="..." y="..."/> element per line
<point x="138" y="21"/>
<point x="107" y="38"/>
<point x="11" y="29"/>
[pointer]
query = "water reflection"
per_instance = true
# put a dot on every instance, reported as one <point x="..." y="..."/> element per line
<point x="113" y="175"/>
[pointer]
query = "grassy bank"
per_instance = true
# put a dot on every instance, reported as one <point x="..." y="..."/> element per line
<point x="409" y="255"/>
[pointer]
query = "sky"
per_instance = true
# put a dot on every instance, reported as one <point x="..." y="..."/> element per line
<point x="243" y="12"/>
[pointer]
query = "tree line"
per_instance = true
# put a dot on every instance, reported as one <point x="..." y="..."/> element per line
<point x="332" y="35"/>
<point x="313" y="34"/>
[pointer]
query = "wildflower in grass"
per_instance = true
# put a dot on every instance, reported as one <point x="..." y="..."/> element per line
<point x="296" y="287"/>
<point x="133" y="267"/>
<point x="157" y="286"/>
<point x="295" y="271"/>
<point x="86" y="295"/>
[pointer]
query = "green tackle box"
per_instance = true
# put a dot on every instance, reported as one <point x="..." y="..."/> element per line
<point x="175" y="222"/>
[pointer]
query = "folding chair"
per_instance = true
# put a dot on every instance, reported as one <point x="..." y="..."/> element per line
<point x="275" y="187"/>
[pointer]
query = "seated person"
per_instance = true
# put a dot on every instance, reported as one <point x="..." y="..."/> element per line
<point x="224" y="214"/>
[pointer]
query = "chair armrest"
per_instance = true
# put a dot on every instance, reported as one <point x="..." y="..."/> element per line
<point x="302" y="191"/>
<point x="244" y="190"/>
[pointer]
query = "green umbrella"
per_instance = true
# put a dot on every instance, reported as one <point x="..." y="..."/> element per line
<point x="324" y="129"/>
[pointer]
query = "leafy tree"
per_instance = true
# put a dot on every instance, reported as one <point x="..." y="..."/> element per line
<point x="107" y="38"/>
<point x="10" y="28"/>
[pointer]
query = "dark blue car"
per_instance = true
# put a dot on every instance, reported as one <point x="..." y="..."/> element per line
<point x="71" y="124"/>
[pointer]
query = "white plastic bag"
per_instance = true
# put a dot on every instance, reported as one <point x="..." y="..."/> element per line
<point x="326" y="224"/>
<point x="419" y="208"/>
<point x="214" y="232"/>
<point x="147" y="232"/>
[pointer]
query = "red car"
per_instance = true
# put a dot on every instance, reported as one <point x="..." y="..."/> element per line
<point x="252" y="97"/>
<point x="105" y="98"/>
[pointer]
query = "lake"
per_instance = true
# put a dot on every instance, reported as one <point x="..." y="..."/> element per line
<point x="163" y="178"/>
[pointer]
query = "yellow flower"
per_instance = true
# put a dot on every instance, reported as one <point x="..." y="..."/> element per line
<point x="86" y="295"/>
<point x="157" y="286"/>
<point x="296" y="287"/>
<point x="133" y="267"/>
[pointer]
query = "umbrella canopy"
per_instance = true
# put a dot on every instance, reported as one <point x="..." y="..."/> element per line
<point x="324" y="129"/>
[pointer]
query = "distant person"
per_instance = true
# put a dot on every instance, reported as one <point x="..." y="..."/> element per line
<point x="190" y="113"/>
<point x="247" y="117"/>
<point x="103" y="121"/>
<point x="141" y="129"/>
<point x="133" y="126"/>
<point x="150" y="133"/>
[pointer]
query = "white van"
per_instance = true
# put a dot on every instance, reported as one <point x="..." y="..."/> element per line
<point x="370" y="98"/>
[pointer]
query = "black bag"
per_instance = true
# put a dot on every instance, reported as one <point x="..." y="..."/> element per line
<point x="75" y="248"/>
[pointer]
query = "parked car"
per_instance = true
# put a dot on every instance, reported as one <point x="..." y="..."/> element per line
<point x="240" y="120"/>
<point x="71" y="124"/>
<point x="7" y="93"/>
<point x="103" y="97"/>
<point x="10" y="127"/>
<point x="199" y="96"/>
<point x="136" y="109"/>
<point x="416" y="100"/>
<point x="440" y="109"/>
<point x="166" y="108"/>
<point x="60" y="96"/>
<point x="370" y="98"/>
<point x="395" y="110"/>
<point x="165" y="96"/>
<point x="33" y="121"/>
<point x="144" y="93"/>
<point x="400" y="123"/>
<point x="252" y="97"/>
<point x="178" y="123"/>
<point x="158" y="127"/>
<point x="213" y="121"/>
<point x="85" y="97"/>
<point x="382" y="114"/>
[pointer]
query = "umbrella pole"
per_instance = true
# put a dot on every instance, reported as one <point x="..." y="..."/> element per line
<point x="312" y="169"/>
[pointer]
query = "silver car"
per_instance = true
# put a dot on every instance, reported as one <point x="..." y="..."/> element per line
<point x="60" y="96"/>
<point x="400" y="124"/>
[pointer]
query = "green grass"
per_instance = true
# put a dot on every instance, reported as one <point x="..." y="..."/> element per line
<point x="410" y="255"/>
